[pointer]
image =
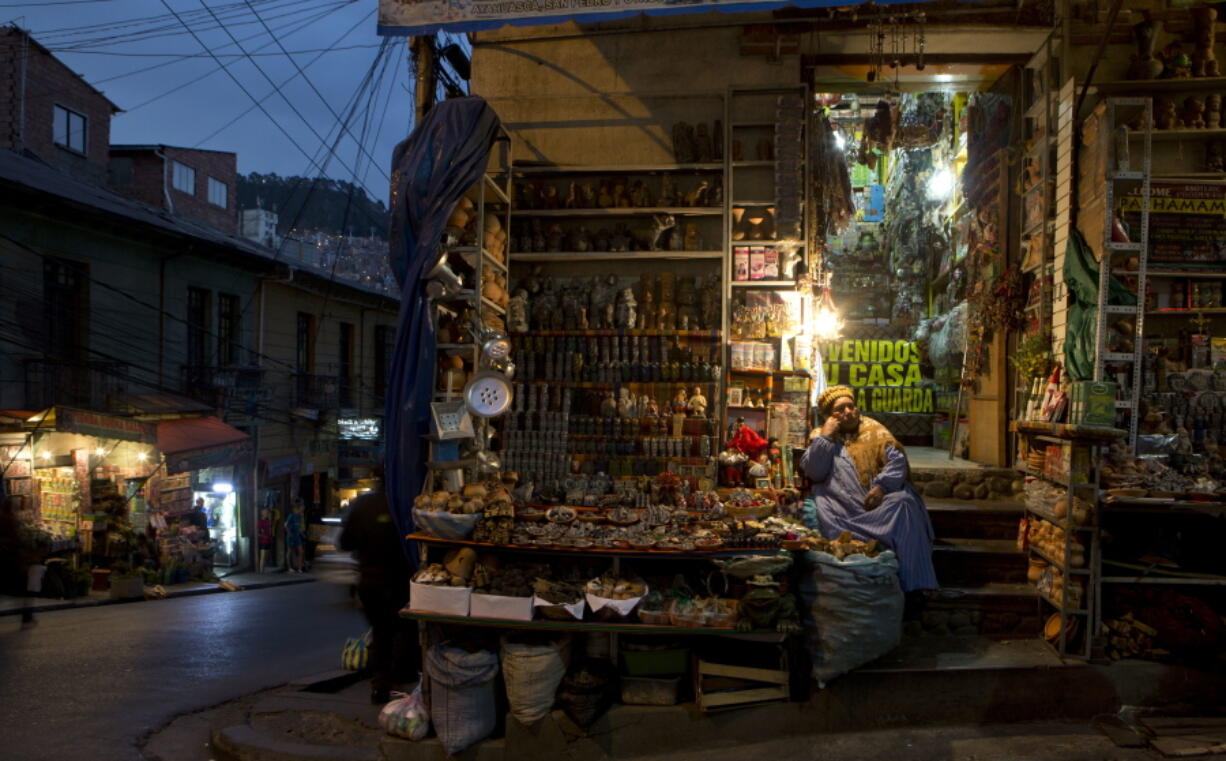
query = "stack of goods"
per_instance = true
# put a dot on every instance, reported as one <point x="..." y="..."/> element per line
<point x="1047" y="572"/>
<point x="1129" y="638"/>
<point x="1051" y="500"/>
<point x="1126" y="477"/>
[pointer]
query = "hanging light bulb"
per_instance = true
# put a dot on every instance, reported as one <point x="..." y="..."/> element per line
<point x="827" y="324"/>
<point x="941" y="184"/>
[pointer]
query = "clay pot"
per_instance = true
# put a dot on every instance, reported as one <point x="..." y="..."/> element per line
<point x="1035" y="570"/>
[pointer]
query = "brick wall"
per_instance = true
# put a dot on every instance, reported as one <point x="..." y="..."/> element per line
<point x="28" y="95"/>
<point x="140" y="173"/>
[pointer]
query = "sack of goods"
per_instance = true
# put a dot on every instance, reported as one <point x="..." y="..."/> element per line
<point x="532" y="672"/>
<point x="356" y="653"/>
<point x="851" y="608"/>
<point x="406" y="715"/>
<point x="461" y="695"/>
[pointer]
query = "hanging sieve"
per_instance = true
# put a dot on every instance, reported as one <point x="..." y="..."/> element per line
<point x="488" y="394"/>
<point x="450" y="420"/>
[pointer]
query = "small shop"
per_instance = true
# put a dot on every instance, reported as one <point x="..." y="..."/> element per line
<point x="636" y="320"/>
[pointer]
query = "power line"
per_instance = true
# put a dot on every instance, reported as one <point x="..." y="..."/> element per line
<point x="119" y="54"/>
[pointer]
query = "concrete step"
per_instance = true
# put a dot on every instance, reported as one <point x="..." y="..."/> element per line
<point x="975" y="519"/>
<point x="993" y="610"/>
<point x="973" y="562"/>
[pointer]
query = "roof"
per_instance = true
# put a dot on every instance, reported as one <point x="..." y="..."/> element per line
<point x="193" y="433"/>
<point x="31" y="177"/>
<point x="14" y="29"/>
<point x="162" y="146"/>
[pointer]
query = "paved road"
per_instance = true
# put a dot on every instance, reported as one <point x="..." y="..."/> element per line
<point x="89" y="683"/>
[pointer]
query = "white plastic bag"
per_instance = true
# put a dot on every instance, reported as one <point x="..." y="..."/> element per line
<point x="532" y="674"/>
<point x="406" y="715"/>
<point x="445" y="525"/>
<point x="851" y="609"/>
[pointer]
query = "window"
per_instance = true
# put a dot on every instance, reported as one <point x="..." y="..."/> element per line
<point x="306" y="342"/>
<point x="345" y="365"/>
<point x="229" y="322"/>
<point x="198" y="327"/>
<point x="184" y="178"/>
<point x="65" y="307"/>
<point x="68" y="129"/>
<point x="218" y="191"/>
<point x="384" y="335"/>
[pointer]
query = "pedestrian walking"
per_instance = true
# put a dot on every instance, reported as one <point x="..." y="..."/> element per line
<point x="20" y="566"/>
<point x="295" y="537"/>
<point x="263" y="531"/>
<point x="383" y="587"/>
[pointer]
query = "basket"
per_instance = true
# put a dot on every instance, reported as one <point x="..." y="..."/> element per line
<point x="445" y="525"/>
<point x="750" y="513"/>
<point x="724" y="614"/>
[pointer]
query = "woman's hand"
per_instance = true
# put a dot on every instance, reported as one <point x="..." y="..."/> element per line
<point x="874" y="497"/>
<point x="830" y="427"/>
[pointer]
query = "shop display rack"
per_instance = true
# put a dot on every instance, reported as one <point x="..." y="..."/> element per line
<point x="588" y="626"/>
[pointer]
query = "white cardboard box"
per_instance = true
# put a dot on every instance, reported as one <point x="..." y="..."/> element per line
<point x="448" y="601"/>
<point x="499" y="606"/>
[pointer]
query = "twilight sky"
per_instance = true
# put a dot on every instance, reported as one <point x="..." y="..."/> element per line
<point x="173" y="92"/>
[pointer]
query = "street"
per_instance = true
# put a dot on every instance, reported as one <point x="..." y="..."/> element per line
<point x="89" y="683"/>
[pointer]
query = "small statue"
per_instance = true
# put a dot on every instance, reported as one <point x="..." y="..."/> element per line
<point x="1194" y="113"/>
<point x="683" y="143"/>
<point x="543" y="305"/>
<point x="692" y="241"/>
<point x="587" y="196"/>
<point x="1165" y="113"/>
<point x="1213" y="111"/>
<point x="646" y="318"/>
<point x="572" y="197"/>
<point x="666" y="316"/>
<point x="1204" y="61"/>
<point x="553" y="238"/>
<point x="517" y="312"/>
<point x="619" y="241"/>
<point x="527" y="196"/>
<point x="608" y="405"/>
<point x="620" y="199"/>
<point x="760" y="467"/>
<point x="680" y="400"/>
<point x="731" y="470"/>
<point x="1144" y="64"/>
<point x="697" y="404"/>
<point x="643" y="404"/>
<point x="1215" y="160"/>
<point x="668" y="192"/>
<point x="650" y="237"/>
<point x="626" y="406"/>
<point x="716" y="196"/>
<point x="710" y="303"/>
<point x="583" y="241"/>
<point x="652" y="409"/>
<point x="538" y="235"/>
<point x="704" y="150"/>
<point x="605" y="199"/>
<point x="608" y="301"/>
<point x="549" y="197"/>
<point x="625" y="315"/>
<point x="697" y="196"/>
<point x="640" y="196"/>
<point x="1178" y="64"/>
<point x="571" y="307"/>
<point x="763" y="608"/>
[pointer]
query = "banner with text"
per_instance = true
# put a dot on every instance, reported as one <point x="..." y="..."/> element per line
<point x="885" y="374"/>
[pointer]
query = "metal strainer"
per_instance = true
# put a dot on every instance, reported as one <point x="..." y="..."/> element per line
<point x="488" y="394"/>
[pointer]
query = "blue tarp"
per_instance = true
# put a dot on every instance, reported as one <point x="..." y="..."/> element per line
<point x="431" y="170"/>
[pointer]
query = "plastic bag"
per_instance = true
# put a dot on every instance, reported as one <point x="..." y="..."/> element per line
<point x="852" y="610"/>
<point x="445" y="525"/>
<point x="406" y="715"/>
<point x="532" y="674"/>
<point x="461" y="695"/>
<point x="356" y="653"/>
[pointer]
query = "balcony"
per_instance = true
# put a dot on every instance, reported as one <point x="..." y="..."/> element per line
<point x="317" y="392"/>
<point x="236" y="388"/>
<point x="74" y="383"/>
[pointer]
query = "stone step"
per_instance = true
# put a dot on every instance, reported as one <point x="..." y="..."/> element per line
<point x="966" y="483"/>
<point x="973" y="562"/>
<point x="994" y="610"/>
<point x="976" y="519"/>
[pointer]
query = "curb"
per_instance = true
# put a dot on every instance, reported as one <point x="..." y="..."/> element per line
<point x="244" y="743"/>
<point x="214" y="589"/>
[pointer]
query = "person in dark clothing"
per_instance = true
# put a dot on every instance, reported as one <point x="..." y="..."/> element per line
<point x="15" y="560"/>
<point x="383" y="587"/>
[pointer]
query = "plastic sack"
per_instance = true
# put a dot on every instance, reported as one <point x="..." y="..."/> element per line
<point x="406" y="715"/>
<point x="356" y="654"/>
<point x="445" y="525"/>
<point x="532" y="674"/>
<point x="461" y="695"/>
<point x="851" y="609"/>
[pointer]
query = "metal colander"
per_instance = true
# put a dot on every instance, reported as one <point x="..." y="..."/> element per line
<point x="488" y="394"/>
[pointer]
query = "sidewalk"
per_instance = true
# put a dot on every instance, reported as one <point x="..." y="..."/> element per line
<point x="11" y="606"/>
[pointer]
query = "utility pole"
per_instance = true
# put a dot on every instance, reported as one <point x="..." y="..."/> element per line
<point x="422" y="49"/>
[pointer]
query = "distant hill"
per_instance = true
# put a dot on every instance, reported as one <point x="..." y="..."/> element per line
<point x="325" y="207"/>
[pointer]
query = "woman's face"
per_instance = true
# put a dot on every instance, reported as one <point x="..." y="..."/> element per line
<point x="847" y="413"/>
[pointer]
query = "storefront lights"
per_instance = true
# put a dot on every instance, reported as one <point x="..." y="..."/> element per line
<point x="222" y="488"/>
<point x="142" y="456"/>
<point x="46" y="455"/>
<point x="827" y="325"/>
<point x="941" y="184"/>
<point x="100" y="452"/>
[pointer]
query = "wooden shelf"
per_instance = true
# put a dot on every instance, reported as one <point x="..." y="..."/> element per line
<point x="759" y="243"/>
<point x="1220" y="275"/>
<point x="591" y="626"/>
<point x="1179" y="134"/>
<point x="751" y="164"/>
<point x="1059" y="564"/>
<point x="601" y="256"/>
<point x="764" y="283"/>
<point x="678" y="211"/>
<point x="713" y="166"/>
<point x="1178" y="312"/>
<point x="1063" y="431"/>
<point x="669" y="333"/>
<point x="610" y="551"/>
<point x="1063" y="523"/>
<point x="1184" y="84"/>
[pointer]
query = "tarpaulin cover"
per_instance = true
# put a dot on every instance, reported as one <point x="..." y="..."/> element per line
<point x="1081" y="279"/>
<point x="431" y="170"/>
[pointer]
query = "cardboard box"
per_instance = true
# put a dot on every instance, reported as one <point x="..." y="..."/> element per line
<point x="740" y="263"/>
<point x="448" y="601"/>
<point x="757" y="262"/>
<point x="499" y="606"/>
<point x="770" y="264"/>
